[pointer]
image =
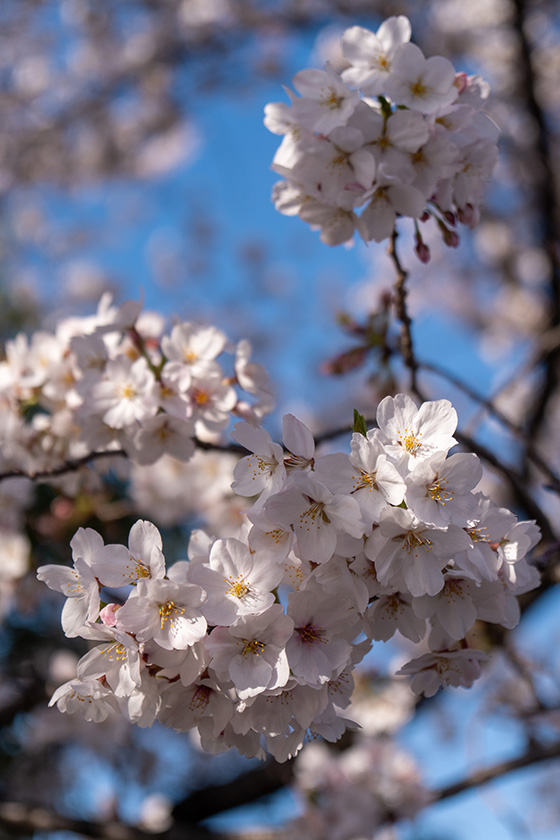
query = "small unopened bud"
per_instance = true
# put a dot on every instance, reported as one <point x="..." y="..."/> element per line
<point x="461" y="81"/>
<point x="450" y="218"/>
<point x="425" y="216"/>
<point x="451" y="238"/>
<point x="108" y="614"/>
<point x="422" y="251"/>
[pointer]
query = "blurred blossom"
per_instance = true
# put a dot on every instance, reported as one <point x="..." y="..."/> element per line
<point x="532" y="266"/>
<point x="455" y="16"/>
<point x="171" y="491"/>
<point x="62" y="666"/>
<point x="155" y="813"/>
<point x="84" y="281"/>
<point x="493" y="240"/>
<point x="167" y="151"/>
<point x="204" y="12"/>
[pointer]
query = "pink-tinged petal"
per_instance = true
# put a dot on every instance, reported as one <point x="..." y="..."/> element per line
<point x="359" y="45"/>
<point x="409" y="62"/>
<point x="407" y="200"/>
<point x="394" y="31"/>
<point x="116" y="567"/>
<point x="250" y="674"/>
<point x="186" y="630"/>
<point x="438" y="418"/>
<point x="378" y="219"/>
<point x="253" y="438"/>
<point x="422" y="575"/>
<point x="74" y="615"/>
<point x="86" y="543"/>
<point x="142" y="538"/>
<point x="407" y="130"/>
<point x="457" y="615"/>
<point x="297" y="437"/>
<point x="309" y="82"/>
<point x="315" y="543"/>
<point x="439" y="74"/>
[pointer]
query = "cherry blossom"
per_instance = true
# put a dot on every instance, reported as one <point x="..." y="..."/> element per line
<point x="412" y="141"/>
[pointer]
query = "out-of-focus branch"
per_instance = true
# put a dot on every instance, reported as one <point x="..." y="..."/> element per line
<point x="242" y="790"/>
<point x="534" y="755"/>
<point x="546" y="203"/>
<point x="21" y="818"/>
<point x="245" y="788"/>
<point x="29" y="697"/>
<point x="516" y="482"/>
<point x="554" y="480"/>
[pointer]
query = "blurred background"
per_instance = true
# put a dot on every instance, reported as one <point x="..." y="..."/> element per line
<point x="134" y="160"/>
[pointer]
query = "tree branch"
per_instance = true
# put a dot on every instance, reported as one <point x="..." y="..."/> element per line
<point x="248" y="787"/>
<point x="534" y="755"/>
<point x="74" y="464"/>
<point x="22" y="818"/>
<point x="546" y="204"/>
<point x="407" y="347"/>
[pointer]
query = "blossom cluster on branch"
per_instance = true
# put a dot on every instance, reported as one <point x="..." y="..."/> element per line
<point x="415" y="144"/>
<point x="253" y="640"/>
<point x="116" y="381"/>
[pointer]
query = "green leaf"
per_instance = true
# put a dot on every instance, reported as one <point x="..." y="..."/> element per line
<point x="386" y="109"/>
<point x="359" y="425"/>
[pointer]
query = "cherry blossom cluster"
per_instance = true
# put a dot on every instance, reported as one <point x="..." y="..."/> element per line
<point x="396" y="134"/>
<point x="254" y="639"/>
<point x="356" y="793"/>
<point x="117" y="381"/>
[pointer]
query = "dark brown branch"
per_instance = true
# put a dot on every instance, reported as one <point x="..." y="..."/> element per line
<point x="242" y="790"/>
<point x="24" y="819"/>
<point x="29" y="697"/>
<point x="406" y="344"/>
<point x="546" y="203"/>
<point x="76" y="463"/>
<point x="248" y="787"/>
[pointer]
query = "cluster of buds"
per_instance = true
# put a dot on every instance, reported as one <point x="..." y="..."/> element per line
<point x="254" y="639"/>
<point x="395" y="134"/>
<point x="115" y="381"/>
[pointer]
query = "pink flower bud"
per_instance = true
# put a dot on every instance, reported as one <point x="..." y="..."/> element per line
<point x="451" y="238"/>
<point x="450" y="218"/>
<point x="108" y="614"/>
<point x="461" y="81"/>
<point x="422" y="252"/>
